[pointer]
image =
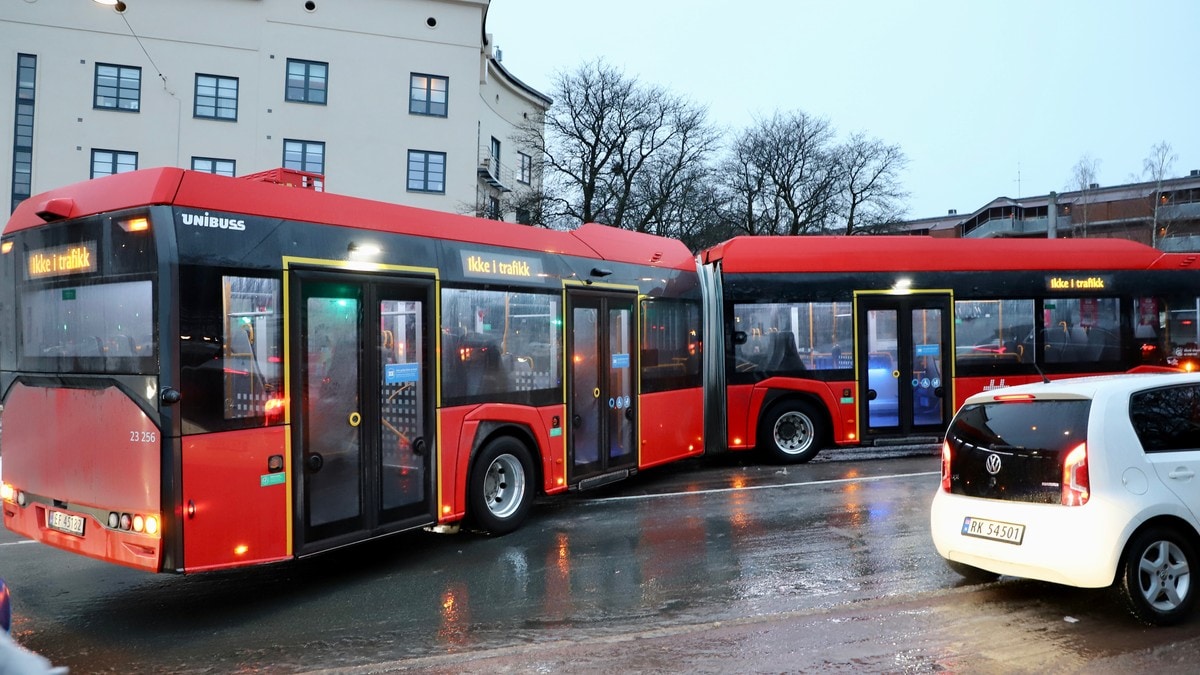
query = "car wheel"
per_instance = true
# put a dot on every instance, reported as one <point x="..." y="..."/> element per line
<point x="971" y="573"/>
<point x="500" y="492"/>
<point x="1156" y="577"/>
<point x="791" y="432"/>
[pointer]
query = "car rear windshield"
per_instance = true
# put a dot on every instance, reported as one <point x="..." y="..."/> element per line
<point x="1030" y="440"/>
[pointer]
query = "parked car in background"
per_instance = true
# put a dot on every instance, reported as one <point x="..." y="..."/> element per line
<point x="1088" y="482"/>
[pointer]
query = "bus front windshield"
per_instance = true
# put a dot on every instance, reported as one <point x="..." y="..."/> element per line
<point x="89" y="328"/>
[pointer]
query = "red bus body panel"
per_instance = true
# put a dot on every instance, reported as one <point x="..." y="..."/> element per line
<point x="745" y="405"/>
<point x="235" y="510"/>
<point x="211" y="192"/>
<point x="459" y="428"/>
<point x="909" y="253"/>
<point x="672" y="426"/>
<point x="101" y="452"/>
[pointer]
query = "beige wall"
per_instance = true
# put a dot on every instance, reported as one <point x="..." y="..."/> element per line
<point x="371" y="47"/>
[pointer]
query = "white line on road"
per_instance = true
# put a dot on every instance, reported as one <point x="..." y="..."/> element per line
<point x="11" y="543"/>
<point x="834" y="481"/>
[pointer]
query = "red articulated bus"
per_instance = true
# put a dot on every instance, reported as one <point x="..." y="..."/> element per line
<point x="872" y="340"/>
<point x="201" y="372"/>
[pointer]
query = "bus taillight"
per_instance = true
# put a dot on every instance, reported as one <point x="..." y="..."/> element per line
<point x="7" y="493"/>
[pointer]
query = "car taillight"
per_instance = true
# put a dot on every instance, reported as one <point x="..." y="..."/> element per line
<point x="945" y="466"/>
<point x="1075" y="485"/>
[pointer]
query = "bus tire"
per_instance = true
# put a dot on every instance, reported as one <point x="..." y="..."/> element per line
<point x="791" y="432"/>
<point x="500" y="492"/>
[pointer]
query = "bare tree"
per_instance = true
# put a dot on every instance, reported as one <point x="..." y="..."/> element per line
<point x="1157" y="167"/>
<point x="1083" y="179"/>
<point x="783" y="175"/>
<point x="872" y="198"/>
<point x="615" y="151"/>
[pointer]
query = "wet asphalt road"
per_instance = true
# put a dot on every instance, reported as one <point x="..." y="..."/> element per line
<point x="704" y="567"/>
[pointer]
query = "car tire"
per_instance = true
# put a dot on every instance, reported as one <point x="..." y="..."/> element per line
<point x="1156" y="579"/>
<point x="500" y="492"/>
<point x="791" y="432"/>
<point x="971" y="573"/>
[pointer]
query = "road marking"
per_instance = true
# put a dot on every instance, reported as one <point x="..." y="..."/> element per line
<point x="13" y="543"/>
<point x="833" y="481"/>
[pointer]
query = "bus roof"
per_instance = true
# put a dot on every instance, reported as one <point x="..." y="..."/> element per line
<point x="199" y="190"/>
<point x="911" y="253"/>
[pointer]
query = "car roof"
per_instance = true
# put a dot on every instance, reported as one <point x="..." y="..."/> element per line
<point x="1089" y="387"/>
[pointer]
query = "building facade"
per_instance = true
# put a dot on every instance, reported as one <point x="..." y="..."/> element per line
<point x="397" y="100"/>
<point x="1164" y="214"/>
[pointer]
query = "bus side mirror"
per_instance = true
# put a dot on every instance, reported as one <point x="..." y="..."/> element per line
<point x="740" y="337"/>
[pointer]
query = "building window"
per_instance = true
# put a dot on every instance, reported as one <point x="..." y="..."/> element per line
<point x="118" y="87"/>
<point x="307" y="81"/>
<point x="526" y="175"/>
<point x="426" y="171"/>
<point x="304" y="156"/>
<point x="221" y="167"/>
<point x="495" y="152"/>
<point x="109" y="162"/>
<point x="427" y="95"/>
<point x="22" y="166"/>
<point x="493" y="208"/>
<point x="524" y="217"/>
<point x="216" y="97"/>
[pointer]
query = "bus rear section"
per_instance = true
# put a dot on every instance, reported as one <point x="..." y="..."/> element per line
<point x="877" y="340"/>
<point x="83" y="467"/>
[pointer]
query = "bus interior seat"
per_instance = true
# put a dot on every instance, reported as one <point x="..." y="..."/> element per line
<point x="784" y="355"/>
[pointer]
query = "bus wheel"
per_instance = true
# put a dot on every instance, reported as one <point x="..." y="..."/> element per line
<point x="500" y="493"/>
<point x="791" y="432"/>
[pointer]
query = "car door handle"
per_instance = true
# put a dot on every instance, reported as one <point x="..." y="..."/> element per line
<point x="1181" y="474"/>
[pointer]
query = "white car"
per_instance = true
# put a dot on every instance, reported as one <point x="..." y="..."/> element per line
<point x="1089" y="482"/>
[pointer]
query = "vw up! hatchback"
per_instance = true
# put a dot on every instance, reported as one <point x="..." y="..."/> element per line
<point x="1088" y="482"/>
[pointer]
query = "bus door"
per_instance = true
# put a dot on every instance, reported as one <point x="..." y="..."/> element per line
<point x="903" y="368"/>
<point x="602" y="342"/>
<point x="363" y="442"/>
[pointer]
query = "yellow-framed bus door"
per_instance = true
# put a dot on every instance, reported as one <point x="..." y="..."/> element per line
<point x="601" y="383"/>
<point x="903" y="362"/>
<point x="364" y="440"/>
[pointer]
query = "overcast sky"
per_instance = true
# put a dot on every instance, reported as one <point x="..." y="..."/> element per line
<point x="987" y="98"/>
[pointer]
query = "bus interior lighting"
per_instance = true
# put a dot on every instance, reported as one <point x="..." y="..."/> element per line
<point x="6" y="247"/>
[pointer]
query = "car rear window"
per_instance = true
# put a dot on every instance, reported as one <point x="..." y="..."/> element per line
<point x="1030" y="440"/>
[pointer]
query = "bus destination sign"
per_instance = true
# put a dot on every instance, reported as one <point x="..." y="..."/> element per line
<point x="1091" y="282"/>
<point x="489" y="266"/>
<point x="61" y="260"/>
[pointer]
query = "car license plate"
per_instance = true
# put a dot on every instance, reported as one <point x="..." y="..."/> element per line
<point x="66" y="522"/>
<point x="1011" y="533"/>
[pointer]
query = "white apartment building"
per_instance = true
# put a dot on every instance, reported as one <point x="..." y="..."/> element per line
<point x="396" y="100"/>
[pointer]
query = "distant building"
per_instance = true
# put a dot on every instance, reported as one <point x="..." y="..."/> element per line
<point x="397" y="101"/>
<point x="1166" y="215"/>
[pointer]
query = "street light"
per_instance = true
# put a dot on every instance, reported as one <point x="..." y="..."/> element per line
<point x="115" y="4"/>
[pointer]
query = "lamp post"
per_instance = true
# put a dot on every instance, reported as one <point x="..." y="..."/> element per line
<point x="115" y="4"/>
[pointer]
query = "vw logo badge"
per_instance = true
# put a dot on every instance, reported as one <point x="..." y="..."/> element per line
<point x="992" y="464"/>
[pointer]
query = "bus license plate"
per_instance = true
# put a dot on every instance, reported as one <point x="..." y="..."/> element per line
<point x="65" y="522"/>
<point x="1011" y="533"/>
